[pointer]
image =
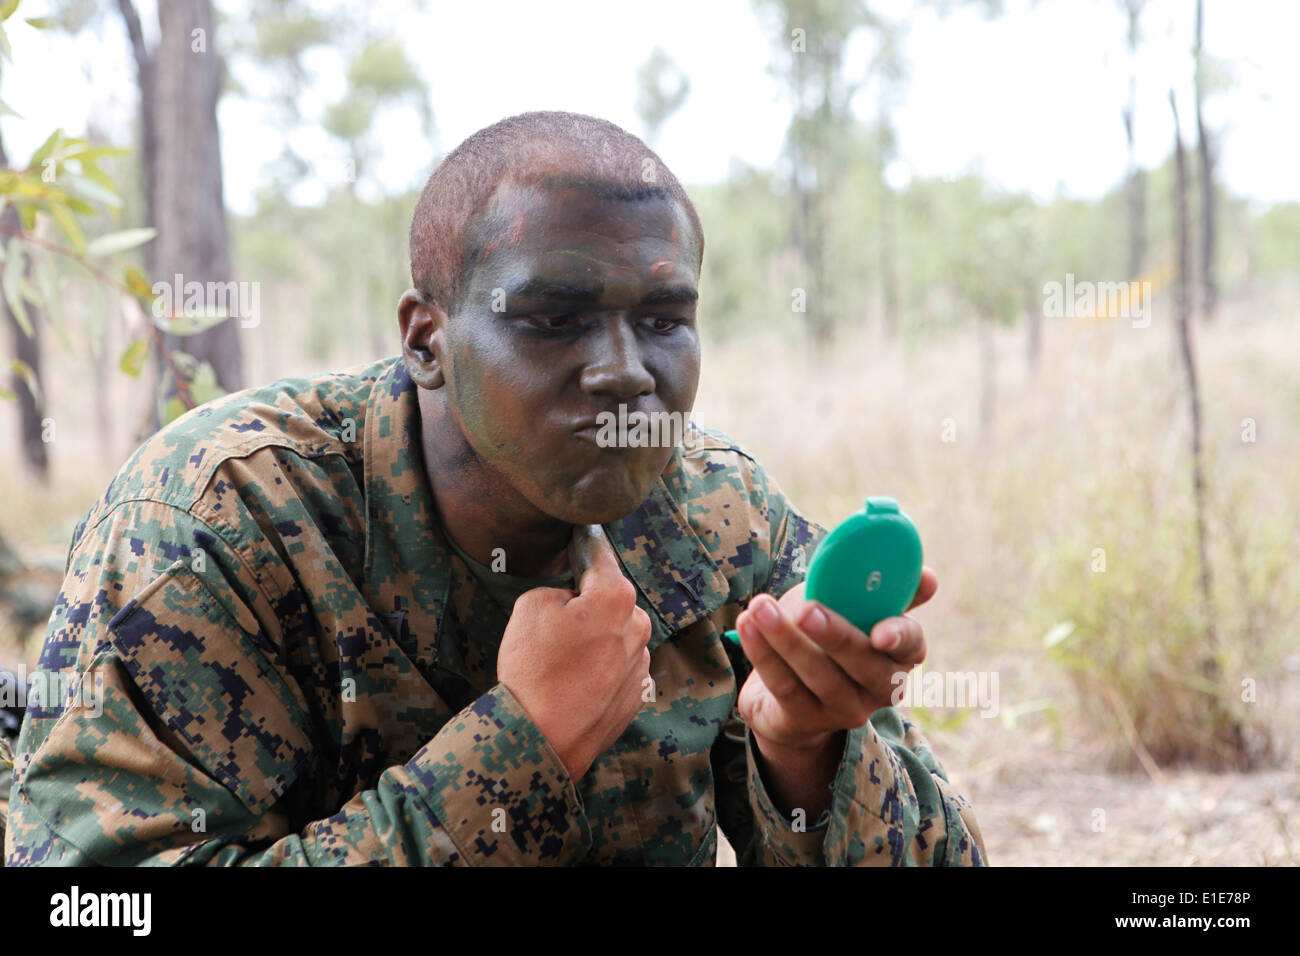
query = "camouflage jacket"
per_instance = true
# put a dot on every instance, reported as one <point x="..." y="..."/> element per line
<point x="271" y="656"/>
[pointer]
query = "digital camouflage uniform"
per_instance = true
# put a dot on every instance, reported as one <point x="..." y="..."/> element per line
<point x="297" y="669"/>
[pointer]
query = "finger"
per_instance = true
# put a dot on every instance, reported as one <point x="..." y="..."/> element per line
<point x="925" y="590"/>
<point x="902" y="638"/>
<point x="810" y="664"/>
<point x="585" y="550"/>
<point x="777" y="675"/>
<point x="869" y="667"/>
<point x="792" y="598"/>
<point x="851" y="650"/>
<point x="542" y="597"/>
<point x="602" y="572"/>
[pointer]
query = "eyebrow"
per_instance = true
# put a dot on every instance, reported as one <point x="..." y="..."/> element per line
<point x="539" y="287"/>
<point x="671" y="295"/>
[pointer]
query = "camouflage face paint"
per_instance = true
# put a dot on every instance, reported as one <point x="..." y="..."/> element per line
<point x="588" y="302"/>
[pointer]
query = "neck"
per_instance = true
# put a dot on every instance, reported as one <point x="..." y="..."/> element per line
<point x="478" y="508"/>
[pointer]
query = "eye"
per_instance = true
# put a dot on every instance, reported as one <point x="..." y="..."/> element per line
<point x="663" y="323"/>
<point x="552" y="323"/>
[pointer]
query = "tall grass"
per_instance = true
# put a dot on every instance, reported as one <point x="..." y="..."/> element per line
<point x="1070" y="523"/>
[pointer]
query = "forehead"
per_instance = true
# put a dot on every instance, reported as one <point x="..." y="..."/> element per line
<point x="567" y="226"/>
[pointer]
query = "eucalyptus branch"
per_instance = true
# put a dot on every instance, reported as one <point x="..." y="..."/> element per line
<point x="159" y="340"/>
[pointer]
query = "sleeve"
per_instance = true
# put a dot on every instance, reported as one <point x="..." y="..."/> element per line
<point x="891" y="801"/>
<point x="166" y="731"/>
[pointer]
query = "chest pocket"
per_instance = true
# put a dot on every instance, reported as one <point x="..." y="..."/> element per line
<point x="212" y="677"/>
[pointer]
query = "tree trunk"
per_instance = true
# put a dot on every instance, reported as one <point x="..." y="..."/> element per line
<point x="1209" y="287"/>
<point x="144" y="75"/>
<point x="180" y="83"/>
<point x="1209" y="664"/>
<point x="26" y="349"/>
<point x="1135" y="179"/>
<point x="888" y="256"/>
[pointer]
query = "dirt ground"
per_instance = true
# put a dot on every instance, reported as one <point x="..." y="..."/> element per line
<point x="1045" y="815"/>
<point x="1044" y="811"/>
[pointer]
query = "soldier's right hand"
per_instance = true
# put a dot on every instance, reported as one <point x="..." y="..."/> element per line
<point x="578" y="663"/>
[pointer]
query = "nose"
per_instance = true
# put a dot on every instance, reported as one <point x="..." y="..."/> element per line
<point x="615" y="367"/>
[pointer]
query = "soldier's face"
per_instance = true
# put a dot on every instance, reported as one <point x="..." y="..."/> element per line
<point x="577" y="303"/>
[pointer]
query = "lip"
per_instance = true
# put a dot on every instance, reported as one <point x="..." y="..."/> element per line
<point x="590" y="434"/>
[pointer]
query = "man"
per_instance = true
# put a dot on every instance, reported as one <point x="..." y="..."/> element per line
<point x="334" y="620"/>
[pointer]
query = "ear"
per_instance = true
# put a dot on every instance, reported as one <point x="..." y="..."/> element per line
<point x="423" y="326"/>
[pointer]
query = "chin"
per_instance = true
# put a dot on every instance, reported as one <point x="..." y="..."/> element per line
<point x="603" y="497"/>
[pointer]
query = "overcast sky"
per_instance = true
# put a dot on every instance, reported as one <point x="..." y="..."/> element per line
<point x="1032" y="98"/>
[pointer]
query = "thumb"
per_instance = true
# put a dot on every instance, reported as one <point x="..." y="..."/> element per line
<point x="595" y="563"/>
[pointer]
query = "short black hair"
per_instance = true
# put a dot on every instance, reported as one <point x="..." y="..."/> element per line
<point x="546" y="148"/>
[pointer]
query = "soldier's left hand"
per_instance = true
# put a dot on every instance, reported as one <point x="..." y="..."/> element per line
<point x="815" y="674"/>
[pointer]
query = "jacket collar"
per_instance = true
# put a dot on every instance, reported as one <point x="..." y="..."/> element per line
<point x="408" y="560"/>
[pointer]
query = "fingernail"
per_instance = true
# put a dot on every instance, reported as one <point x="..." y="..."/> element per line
<point x="746" y="630"/>
<point x="893" y="637"/>
<point x="768" y="613"/>
<point x="814" y="620"/>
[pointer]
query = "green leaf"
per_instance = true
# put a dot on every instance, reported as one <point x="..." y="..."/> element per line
<point x="24" y="371"/>
<point x="7" y="110"/>
<point x="43" y="23"/>
<point x="5" y="51"/>
<point x="203" y="384"/>
<point x="68" y="223"/>
<point x="7" y="8"/>
<point x="173" y="410"/>
<point x="1058" y="633"/>
<point x="90" y="154"/>
<point x="46" y="149"/>
<point x="91" y="190"/>
<point x="191" y="323"/>
<point x="185" y="363"/>
<point x="119" y="241"/>
<point x="11" y="281"/>
<point x="48" y="280"/>
<point x="133" y="359"/>
<point x="96" y="175"/>
<point x="76" y="205"/>
<point x="28" y="290"/>
<point x="137" y="283"/>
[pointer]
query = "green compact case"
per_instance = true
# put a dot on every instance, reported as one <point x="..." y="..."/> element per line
<point x="868" y="568"/>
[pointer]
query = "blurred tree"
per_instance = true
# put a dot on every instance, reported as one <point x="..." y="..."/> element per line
<point x="60" y="188"/>
<point x="996" y="272"/>
<point x="355" y="290"/>
<point x="811" y="36"/>
<point x="662" y="88"/>
<point x="821" y="143"/>
<point x="277" y="37"/>
<point x="1135" y="179"/>
<point x="1204" y="150"/>
<point x="380" y="76"/>
<point x="25" y="335"/>
<point x="180" y="81"/>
